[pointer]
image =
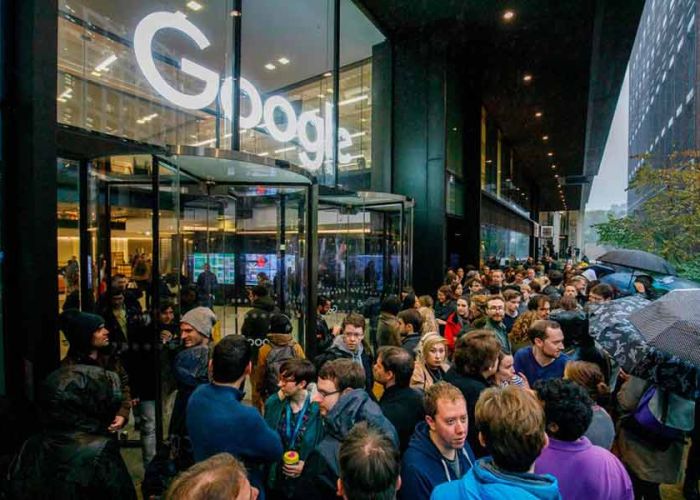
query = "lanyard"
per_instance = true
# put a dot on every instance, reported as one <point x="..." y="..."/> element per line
<point x="291" y="437"/>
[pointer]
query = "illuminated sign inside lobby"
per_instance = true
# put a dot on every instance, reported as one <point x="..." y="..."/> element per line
<point x="313" y="132"/>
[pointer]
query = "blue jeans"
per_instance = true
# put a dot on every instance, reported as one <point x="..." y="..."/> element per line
<point x="145" y="416"/>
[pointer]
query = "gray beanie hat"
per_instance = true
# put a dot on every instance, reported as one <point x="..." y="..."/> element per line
<point x="201" y="319"/>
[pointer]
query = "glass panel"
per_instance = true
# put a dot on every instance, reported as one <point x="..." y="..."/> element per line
<point x="287" y="58"/>
<point x="358" y="39"/>
<point x="101" y="82"/>
<point x="68" y="244"/>
<point x="68" y="218"/>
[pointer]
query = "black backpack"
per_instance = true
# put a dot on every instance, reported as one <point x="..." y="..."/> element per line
<point x="278" y="355"/>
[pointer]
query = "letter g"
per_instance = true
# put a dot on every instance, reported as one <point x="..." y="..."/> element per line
<point x="143" y="40"/>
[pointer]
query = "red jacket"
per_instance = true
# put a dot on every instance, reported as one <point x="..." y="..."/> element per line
<point x="452" y="330"/>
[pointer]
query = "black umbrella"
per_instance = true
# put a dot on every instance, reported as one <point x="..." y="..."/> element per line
<point x="672" y="324"/>
<point x="638" y="259"/>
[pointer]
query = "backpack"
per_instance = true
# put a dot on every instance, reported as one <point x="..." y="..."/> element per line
<point x="278" y="355"/>
<point x="665" y="415"/>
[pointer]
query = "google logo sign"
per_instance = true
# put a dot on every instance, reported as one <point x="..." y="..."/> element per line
<point x="313" y="132"/>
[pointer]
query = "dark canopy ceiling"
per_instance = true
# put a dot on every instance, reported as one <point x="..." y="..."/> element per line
<point x="576" y="52"/>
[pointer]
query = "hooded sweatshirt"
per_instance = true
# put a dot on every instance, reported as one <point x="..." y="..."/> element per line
<point x="322" y="468"/>
<point x="423" y="467"/>
<point x="485" y="481"/>
<point x="339" y="350"/>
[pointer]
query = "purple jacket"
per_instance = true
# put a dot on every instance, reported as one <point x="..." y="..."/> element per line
<point x="585" y="471"/>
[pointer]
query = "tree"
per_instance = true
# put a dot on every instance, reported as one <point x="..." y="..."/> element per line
<point x="667" y="221"/>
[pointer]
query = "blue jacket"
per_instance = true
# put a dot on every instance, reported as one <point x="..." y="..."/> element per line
<point x="423" y="467"/>
<point x="485" y="482"/>
<point x="322" y="467"/>
<point x="218" y="422"/>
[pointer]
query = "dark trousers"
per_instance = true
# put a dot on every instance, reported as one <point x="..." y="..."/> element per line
<point x="644" y="489"/>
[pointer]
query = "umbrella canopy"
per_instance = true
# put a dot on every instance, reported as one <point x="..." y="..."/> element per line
<point x="638" y="259"/>
<point x="672" y="324"/>
<point x="611" y="327"/>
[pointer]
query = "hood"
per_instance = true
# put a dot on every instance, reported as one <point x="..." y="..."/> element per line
<point x="280" y="338"/>
<point x="265" y="303"/>
<point x="490" y="482"/>
<point x="356" y="406"/>
<point x="425" y="455"/>
<point x="80" y="398"/>
<point x="340" y="345"/>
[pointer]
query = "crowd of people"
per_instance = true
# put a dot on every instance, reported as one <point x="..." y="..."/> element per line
<point x="492" y="389"/>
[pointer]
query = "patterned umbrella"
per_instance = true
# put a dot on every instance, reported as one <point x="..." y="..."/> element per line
<point x="672" y="324"/>
<point x="613" y="328"/>
<point x="671" y="328"/>
<point x="610" y="325"/>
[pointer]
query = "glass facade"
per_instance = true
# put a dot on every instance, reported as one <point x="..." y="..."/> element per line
<point x="662" y="79"/>
<point x="152" y="73"/>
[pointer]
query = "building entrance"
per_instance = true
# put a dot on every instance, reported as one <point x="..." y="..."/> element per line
<point x="164" y="233"/>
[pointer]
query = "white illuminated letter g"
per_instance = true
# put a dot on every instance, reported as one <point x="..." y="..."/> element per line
<point x="143" y="39"/>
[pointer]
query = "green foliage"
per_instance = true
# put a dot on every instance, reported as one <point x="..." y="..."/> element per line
<point x="667" y="222"/>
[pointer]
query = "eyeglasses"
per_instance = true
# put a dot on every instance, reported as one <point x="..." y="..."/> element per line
<point x="325" y="394"/>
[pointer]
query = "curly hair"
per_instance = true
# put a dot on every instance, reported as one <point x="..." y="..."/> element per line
<point x="568" y="408"/>
<point x="518" y="334"/>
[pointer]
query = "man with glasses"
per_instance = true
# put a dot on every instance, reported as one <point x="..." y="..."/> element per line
<point x="342" y="402"/>
<point x="349" y="345"/>
<point x="496" y="310"/>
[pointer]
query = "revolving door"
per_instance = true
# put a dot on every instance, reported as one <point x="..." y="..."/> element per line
<point x="182" y="229"/>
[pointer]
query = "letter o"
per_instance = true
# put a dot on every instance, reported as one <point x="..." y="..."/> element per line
<point x="269" y="114"/>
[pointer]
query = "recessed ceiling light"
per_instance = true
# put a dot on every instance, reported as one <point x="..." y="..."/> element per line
<point x="235" y="13"/>
<point x="527" y="77"/>
<point x="270" y="66"/>
<point x="321" y="96"/>
<point x="538" y="114"/>
<point x="553" y="167"/>
<point x="508" y="15"/>
<point x="545" y="137"/>
<point x="283" y="60"/>
<point x="550" y="154"/>
<point x="330" y="91"/>
<point x="328" y="74"/>
<point x="556" y="176"/>
<point x="195" y="6"/>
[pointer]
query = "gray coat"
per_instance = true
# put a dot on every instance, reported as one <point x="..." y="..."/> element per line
<point x="644" y="460"/>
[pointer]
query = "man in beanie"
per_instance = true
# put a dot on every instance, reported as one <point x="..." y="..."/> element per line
<point x="89" y="345"/>
<point x="279" y="347"/>
<point x="190" y="368"/>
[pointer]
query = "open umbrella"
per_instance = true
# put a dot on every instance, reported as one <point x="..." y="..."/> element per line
<point x="671" y="328"/>
<point x="672" y="324"/>
<point x="638" y="259"/>
<point x="611" y="327"/>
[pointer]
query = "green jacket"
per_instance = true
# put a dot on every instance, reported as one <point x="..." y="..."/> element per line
<point x="274" y="414"/>
<point x="501" y="334"/>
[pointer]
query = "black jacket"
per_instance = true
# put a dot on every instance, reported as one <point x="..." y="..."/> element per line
<point x="403" y="407"/>
<point x="322" y="468"/>
<point x="338" y="351"/>
<point x="74" y="457"/>
<point x="471" y="386"/>
<point x="256" y="324"/>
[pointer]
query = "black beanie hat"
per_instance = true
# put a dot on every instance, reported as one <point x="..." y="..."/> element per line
<point x="279" y="323"/>
<point x="78" y="328"/>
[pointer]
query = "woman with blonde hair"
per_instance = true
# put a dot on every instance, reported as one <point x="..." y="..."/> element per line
<point x="601" y="431"/>
<point x="518" y="335"/>
<point x="429" y="322"/>
<point x="431" y="362"/>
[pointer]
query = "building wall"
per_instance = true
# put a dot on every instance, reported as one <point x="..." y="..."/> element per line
<point x="663" y="85"/>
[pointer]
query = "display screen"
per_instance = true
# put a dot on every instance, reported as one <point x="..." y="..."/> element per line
<point x="223" y="265"/>
<point x="264" y="263"/>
